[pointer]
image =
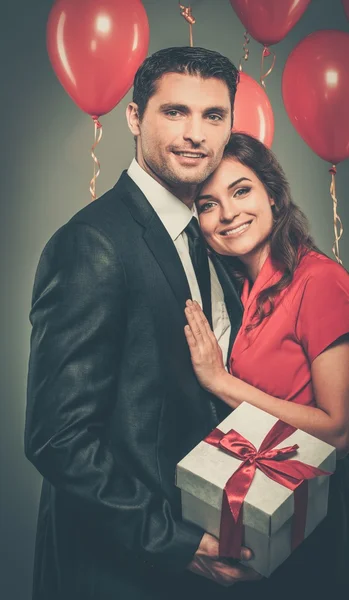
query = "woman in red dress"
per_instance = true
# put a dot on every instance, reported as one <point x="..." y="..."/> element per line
<point x="291" y="354"/>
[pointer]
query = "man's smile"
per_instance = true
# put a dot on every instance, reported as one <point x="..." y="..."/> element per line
<point x="189" y="158"/>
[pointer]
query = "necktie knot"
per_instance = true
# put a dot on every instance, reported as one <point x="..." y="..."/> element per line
<point x="193" y="230"/>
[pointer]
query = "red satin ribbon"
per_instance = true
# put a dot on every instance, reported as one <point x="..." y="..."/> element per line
<point x="272" y="462"/>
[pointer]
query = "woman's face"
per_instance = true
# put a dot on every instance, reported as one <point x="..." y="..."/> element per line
<point x="235" y="211"/>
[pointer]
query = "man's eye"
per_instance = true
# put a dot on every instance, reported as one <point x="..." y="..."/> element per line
<point x="242" y="191"/>
<point x="172" y="113"/>
<point x="215" y="117"/>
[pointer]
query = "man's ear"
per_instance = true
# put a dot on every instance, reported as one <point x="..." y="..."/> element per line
<point x="133" y="118"/>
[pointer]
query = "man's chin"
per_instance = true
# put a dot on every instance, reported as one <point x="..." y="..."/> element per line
<point x="192" y="177"/>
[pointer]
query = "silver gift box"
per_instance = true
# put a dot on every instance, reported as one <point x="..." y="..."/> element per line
<point x="268" y="506"/>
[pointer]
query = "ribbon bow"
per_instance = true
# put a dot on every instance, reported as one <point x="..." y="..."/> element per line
<point x="275" y="464"/>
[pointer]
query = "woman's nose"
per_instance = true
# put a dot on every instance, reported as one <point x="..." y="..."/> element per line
<point x="229" y="210"/>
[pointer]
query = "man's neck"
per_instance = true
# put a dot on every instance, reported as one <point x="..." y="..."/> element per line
<point x="185" y="192"/>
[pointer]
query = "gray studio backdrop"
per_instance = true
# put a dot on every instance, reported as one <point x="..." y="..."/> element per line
<point x="46" y="169"/>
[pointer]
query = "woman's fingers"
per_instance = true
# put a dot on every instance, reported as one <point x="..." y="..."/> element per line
<point x="198" y="320"/>
<point x="190" y="337"/>
<point x="204" y="350"/>
<point x="195" y="324"/>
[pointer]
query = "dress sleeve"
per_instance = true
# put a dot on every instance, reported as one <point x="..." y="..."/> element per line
<point x="323" y="315"/>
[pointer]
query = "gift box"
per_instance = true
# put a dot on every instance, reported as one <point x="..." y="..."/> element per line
<point x="277" y="511"/>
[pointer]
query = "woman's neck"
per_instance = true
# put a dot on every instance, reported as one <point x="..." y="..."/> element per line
<point x="254" y="262"/>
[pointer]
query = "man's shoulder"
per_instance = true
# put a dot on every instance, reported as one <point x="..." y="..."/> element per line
<point x="103" y="221"/>
<point x="111" y="206"/>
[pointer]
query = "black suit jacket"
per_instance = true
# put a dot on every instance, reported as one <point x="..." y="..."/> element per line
<point x="113" y="405"/>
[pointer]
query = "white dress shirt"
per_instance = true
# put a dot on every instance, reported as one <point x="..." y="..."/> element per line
<point x="175" y="216"/>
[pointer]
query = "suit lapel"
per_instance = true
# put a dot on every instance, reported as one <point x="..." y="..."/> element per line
<point x="156" y="237"/>
<point x="167" y="257"/>
<point x="165" y="253"/>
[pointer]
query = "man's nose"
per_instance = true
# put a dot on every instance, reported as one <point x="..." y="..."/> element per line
<point x="194" y="131"/>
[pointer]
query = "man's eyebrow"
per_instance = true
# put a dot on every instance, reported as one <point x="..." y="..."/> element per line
<point x="174" y="106"/>
<point x="231" y="185"/>
<point x="217" y="109"/>
<point x="184" y="108"/>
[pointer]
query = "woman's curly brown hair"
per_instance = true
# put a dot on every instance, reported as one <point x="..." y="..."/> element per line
<point x="290" y="238"/>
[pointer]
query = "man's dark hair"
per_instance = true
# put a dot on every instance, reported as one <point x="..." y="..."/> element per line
<point x="187" y="60"/>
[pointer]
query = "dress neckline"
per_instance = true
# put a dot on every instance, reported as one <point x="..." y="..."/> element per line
<point x="267" y="272"/>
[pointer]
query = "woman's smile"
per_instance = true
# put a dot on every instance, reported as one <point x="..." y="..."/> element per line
<point x="237" y="230"/>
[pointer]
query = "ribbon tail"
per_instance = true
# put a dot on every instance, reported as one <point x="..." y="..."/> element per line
<point x="231" y="527"/>
<point x="231" y="531"/>
<point x="299" y="519"/>
<point x="289" y="472"/>
<point x="278" y="433"/>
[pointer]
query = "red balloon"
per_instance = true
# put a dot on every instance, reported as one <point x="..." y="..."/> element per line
<point x="253" y="113"/>
<point x="315" y="89"/>
<point x="95" y="47"/>
<point x="346" y="7"/>
<point x="269" y="21"/>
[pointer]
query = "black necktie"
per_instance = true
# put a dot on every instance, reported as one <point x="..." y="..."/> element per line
<point x="199" y="258"/>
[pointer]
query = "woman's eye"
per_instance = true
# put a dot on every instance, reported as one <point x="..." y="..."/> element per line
<point x="205" y="207"/>
<point x="242" y="192"/>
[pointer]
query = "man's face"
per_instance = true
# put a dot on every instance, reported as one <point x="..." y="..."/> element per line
<point x="185" y="127"/>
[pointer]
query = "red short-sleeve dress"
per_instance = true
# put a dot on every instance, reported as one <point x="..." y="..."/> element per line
<point x="276" y="356"/>
<point x="309" y="315"/>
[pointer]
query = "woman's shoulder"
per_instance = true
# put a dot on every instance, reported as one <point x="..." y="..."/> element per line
<point x="314" y="265"/>
<point x="318" y="278"/>
<point x="323" y="309"/>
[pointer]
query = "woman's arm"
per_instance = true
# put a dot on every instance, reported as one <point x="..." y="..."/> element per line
<point x="328" y="421"/>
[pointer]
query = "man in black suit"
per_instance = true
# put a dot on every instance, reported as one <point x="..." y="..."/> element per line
<point x="113" y="403"/>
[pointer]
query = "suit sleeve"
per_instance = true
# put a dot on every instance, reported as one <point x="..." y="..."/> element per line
<point x="324" y="310"/>
<point x="79" y="315"/>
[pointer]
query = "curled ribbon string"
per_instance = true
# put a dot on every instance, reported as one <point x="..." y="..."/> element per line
<point x="337" y="223"/>
<point x="266" y="52"/>
<point x="245" y="49"/>
<point x="97" y="138"/>
<point x="186" y="12"/>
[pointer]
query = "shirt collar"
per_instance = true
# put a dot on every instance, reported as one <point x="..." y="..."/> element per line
<point x="174" y="215"/>
<point x="267" y="276"/>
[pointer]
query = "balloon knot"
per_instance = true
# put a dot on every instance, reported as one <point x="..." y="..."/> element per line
<point x="266" y="51"/>
<point x="187" y="14"/>
<point x="96" y="121"/>
<point x="333" y="170"/>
